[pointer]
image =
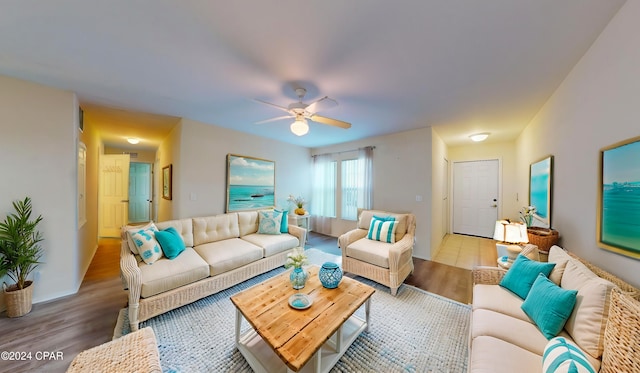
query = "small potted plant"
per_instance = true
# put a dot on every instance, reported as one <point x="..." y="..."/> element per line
<point x="296" y="259"/>
<point x="299" y="202"/>
<point x="20" y="254"/>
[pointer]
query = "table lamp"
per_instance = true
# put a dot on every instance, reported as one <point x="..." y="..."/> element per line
<point x="510" y="235"/>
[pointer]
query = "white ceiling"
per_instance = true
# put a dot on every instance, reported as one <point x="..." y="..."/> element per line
<point x="461" y="66"/>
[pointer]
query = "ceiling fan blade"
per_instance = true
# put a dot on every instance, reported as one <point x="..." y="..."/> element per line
<point x="272" y="105"/>
<point x="330" y="121"/>
<point x="324" y="103"/>
<point x="274" y="119"/>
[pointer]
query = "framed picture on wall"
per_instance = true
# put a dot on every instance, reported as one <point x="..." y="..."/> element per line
<point x="167" y="174"/>
<point x="250" y="183"/>
<point x="541" y="189"/>
<point x="618" y="215"/>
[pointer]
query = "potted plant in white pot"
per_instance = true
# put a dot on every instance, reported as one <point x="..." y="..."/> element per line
<point x="20" y="254"/>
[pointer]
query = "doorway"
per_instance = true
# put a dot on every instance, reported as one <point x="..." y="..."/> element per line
<point x="140" y="186"/>
<point x="113" y="194"/>
<point x="475" y="197"/>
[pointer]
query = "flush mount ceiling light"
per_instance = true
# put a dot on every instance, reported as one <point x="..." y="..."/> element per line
<point x="477" y="137"/>
<point x="300" y="126"/>
<point x="133" y="140"/>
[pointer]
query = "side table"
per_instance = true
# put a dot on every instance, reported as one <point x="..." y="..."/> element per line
<point x="301" y="221"/>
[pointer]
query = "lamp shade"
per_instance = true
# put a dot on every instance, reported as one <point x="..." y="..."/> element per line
<point x="511" y="232"/>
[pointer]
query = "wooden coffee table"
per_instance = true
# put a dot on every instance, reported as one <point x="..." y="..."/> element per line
<point x="284" y="339"/>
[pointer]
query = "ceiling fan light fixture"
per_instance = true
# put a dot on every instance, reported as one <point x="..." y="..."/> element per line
<point x="300" y="127"/>
<point x="477" y="137"/>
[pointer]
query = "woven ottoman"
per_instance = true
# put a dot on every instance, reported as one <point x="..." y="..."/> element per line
<point x="134" y="352"/>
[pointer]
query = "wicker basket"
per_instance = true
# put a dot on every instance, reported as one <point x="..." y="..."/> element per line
<point x="18" y="302"/>
<point x="544" y="238"/>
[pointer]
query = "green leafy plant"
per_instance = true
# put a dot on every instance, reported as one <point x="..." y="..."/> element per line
<point x="20" y="249"/>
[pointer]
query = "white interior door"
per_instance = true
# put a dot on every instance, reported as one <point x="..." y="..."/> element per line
<point x="139" y="192"/>
<point x="114" y="194"/>
<point x="475" y="197"/>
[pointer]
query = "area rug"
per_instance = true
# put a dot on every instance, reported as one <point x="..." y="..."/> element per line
<point x="415" y="331"/>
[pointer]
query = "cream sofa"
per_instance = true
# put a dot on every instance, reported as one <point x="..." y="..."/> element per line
<point x="385" y="263"/>
<point x="504" y="339"/>
<point x="221" y="251"/>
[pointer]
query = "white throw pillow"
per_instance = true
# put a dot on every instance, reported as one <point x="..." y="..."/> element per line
<point x="146" y="244"/>
<point x="269" y="221"/>
<point x="128" y="229"/>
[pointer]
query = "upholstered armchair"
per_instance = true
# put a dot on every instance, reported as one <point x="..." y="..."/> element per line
<point x="366" y="253"/>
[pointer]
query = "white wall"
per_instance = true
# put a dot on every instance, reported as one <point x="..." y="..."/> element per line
<point x="438" y="183"/>
<point x="38" y="159"/>
<point x="595" y="106"/>
<point x="201" y="168"/>
<point x="401" y="171"/>
<point x="510" y="199"/>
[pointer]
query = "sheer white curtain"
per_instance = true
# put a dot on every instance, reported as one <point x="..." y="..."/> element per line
<point x="323" y="192"/>
<point x="365" y="177"/>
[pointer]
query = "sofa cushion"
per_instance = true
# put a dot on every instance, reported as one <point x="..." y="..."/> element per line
<point x="589" y="317"/>
<point x="383" y="229"/>
<point x="247" y="222"/>
<point x="146" y="244"/>
<point x="521" y="333"/>
<point x="364" y="221"/>
<point x="523" y="273"/>
<point x="272" y="244"/>
<point x="497" y="299"/>
<point x="269" y="222"/>
<point x="224" y="256"/>
<point x="563" y="356"/>
<point x="549" y="306"/>
<point x="215" y="228"/>
<point x="493" y="355"/>
<point x="171" y="242"/>
<point x="126" y="234"/>
<point x="165" y="274"/>
<point x="182" y="226"/>
<point x="366" y="250"/>
<point x="561" y="258"/>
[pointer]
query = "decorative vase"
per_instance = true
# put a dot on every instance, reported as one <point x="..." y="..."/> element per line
<point x="330" y="275"/>
<point x="18" y="301"/>
<point x="298" y="278"/>
<point x="300" y="211"/>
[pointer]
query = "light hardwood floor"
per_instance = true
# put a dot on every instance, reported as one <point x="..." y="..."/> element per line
<point x="86" y="319"/>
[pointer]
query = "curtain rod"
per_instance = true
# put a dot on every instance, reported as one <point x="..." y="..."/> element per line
<point x="346" y="151"/>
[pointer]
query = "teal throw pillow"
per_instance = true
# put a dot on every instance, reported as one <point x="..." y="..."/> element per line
<point x="523" y="272"/>
<point x="284" y="224"/>
<point x="383" y="229"/>
<point x="146" y="244"/>
<point x="563" y="356"/>
<point x="549" y="305"/>
<point x="171" y="242"/>
<point x="269" y="222"/>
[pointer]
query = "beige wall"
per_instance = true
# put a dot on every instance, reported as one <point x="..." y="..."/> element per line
<point x="439" y="182"/>
<point x="200" y="170"/>
<point x="142" y="156"/>
<point x="38" y="159"/>
<point x="595" y="106"/>
<point x="168" y="154"/>
<point x="510" y="200"/>
<point x="401" y="171"/>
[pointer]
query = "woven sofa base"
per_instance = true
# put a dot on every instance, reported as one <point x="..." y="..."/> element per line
<point x="167" y="301"/>
<point x="378" y="274"/>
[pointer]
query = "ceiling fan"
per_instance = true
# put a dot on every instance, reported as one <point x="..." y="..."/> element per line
<point x="303" y="112"/>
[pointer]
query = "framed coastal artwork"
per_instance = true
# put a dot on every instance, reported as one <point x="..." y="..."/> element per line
<point x="618" y="216"/>
<point x="541" y="188"/>
<point x="250" y="183"/>
<point x="167" y="174"/>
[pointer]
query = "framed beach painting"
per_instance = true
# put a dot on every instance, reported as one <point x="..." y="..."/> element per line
<point x="618" y="217"/>
<point x="541" y="189"/>
<point x="167" y="175"/>
<point x="250" y="183"/>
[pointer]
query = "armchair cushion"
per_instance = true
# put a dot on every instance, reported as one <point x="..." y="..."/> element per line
<point x="383" y="229"/>
<point x="374" y="252"/>
<point x="364" y="221"/>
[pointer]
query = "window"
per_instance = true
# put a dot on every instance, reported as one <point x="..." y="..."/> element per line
<point x="349" y="197"/>
<point x="324" y="187"/>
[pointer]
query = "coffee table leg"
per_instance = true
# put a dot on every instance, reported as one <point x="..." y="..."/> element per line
<point x="367" y="304"/>
<point x="238" y="324"/>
